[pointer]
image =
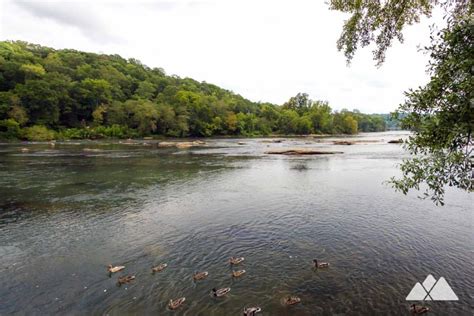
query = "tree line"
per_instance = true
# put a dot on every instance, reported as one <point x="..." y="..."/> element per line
<point x="47" y="93"/>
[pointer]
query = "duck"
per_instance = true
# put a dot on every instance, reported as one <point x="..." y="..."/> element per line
<point x="320" y="264"/>
<point x="252" y="311"/>
<point x="159" y="268"/>
<point x="220" y="292"/>
<point x="113" y="269"/>
<point x="238" y="273"/>
<point x="419" y="309"/>
<point x="24" y="150"/>
<point x="236" y="260"/>
<point x="292" y="300"/>
<point x="200" y="275"/>
<point x="125" y="279"/>
<point x="174" y="304"/>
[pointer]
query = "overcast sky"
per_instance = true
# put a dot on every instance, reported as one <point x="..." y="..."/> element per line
<point x="265" y="50"/>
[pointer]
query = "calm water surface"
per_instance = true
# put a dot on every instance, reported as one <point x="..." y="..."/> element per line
<point x="69" y="210"/>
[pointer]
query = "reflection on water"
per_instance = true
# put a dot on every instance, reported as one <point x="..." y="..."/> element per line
<point x="66" y="212"/>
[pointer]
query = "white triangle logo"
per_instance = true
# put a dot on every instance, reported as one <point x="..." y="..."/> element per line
<point x="443" y="292"/>
<point x="417" y="293"/>
<point x="432" y="290"/>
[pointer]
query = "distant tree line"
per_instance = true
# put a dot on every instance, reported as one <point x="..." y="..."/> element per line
<point x="65" y="94"/>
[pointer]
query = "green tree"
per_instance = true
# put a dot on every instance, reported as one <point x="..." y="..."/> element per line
<point x="141" y="115"/>
<point x="145" y="90"/>
<point x="38" y="133"/>
<point x="321" y="117"/>
<point x="18" y="113"/>
<point x="32" y="71"/>
<point x="230" y="122"/>
<point x="345" y="123"/>
<point x="440" y="114"/>
<point x="41" y="101"/>
<point x="145" y="117"/>
<point x="288" y="122"/>
<point x="300" y="103"/>
<point x="380" y="22"/>
<point x="98" y="115"/>
<point x="9" y="129"/>
<point x="304" y="126"/>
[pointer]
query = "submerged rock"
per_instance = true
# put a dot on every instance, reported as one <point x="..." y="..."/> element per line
<point x="195" y="143"/>
<point x="185" y="144"/>
<point x="396" y="141"/>
<point x="272" y="141"/>
<point x="343" y="142"/>
<point x="166" y="144"/>
<point x="297" y="151"/>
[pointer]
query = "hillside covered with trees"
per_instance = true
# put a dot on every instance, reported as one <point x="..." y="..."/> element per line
<point x="63" y="94"/>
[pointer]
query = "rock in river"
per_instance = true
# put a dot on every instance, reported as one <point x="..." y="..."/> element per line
<point x="301" y="151"/>
<point x="195" y="143"/>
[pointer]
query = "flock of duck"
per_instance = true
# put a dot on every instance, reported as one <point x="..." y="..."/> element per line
<point x="233" y="261"/>
<point x="176" y="303"/>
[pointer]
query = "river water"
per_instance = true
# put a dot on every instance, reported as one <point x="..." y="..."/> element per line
<point x="68" y="211"/>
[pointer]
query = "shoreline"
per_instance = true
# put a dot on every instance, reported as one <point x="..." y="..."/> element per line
<point x="191" y="138"/>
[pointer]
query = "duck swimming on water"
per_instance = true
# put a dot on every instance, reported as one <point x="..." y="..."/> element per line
<point x="238" y="273"/>
<point x="417" y="310"/>
<point x="174" y="304"/>
<point x="220" y="292"/>
<point x="252" y="311"/>
<point x="320" y="264"/>
<point x="236" y="260"/>
<point x="113" y="269"/>
<point x="200" y="275"/>
<point x="125" y="279"/>
<point x="159" y="268"/>
<point x="292" y="300"/>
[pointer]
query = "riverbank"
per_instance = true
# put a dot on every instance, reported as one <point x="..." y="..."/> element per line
<point x="43" y="134"/>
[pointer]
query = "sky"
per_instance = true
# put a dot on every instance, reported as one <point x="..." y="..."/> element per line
<point x="264" y="50"/>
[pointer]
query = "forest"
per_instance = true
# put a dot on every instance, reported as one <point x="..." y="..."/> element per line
<point x="50" y="94"/>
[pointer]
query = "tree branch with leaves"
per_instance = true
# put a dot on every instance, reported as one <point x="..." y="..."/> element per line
<point x="440" y="114"/>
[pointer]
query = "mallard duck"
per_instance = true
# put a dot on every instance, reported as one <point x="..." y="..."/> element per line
<point x="320" y="264"/>
<point x="174" y="304"/>
<point x="419" y="309"/>
<point x="252" y="311"/>
<point x="236" y="260"/>
<point x="220" y="292"/>
<point x="125" y="279"/>
<point x="292" y="300"/>
<point x="112" y="269"/>
<point x="200" y="275"/>
<point x="159" y="268"/>
<point x="238" y="273"/>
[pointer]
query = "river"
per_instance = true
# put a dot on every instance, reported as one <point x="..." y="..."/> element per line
<point x="67" y="211"/>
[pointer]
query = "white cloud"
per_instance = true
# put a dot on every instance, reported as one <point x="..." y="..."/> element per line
<point x="264" y="50"/>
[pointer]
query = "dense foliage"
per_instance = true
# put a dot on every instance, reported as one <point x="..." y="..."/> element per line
<point x="70" y="94"/>
<point x="440" y="114"/>
<point x="380" y="22"/>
